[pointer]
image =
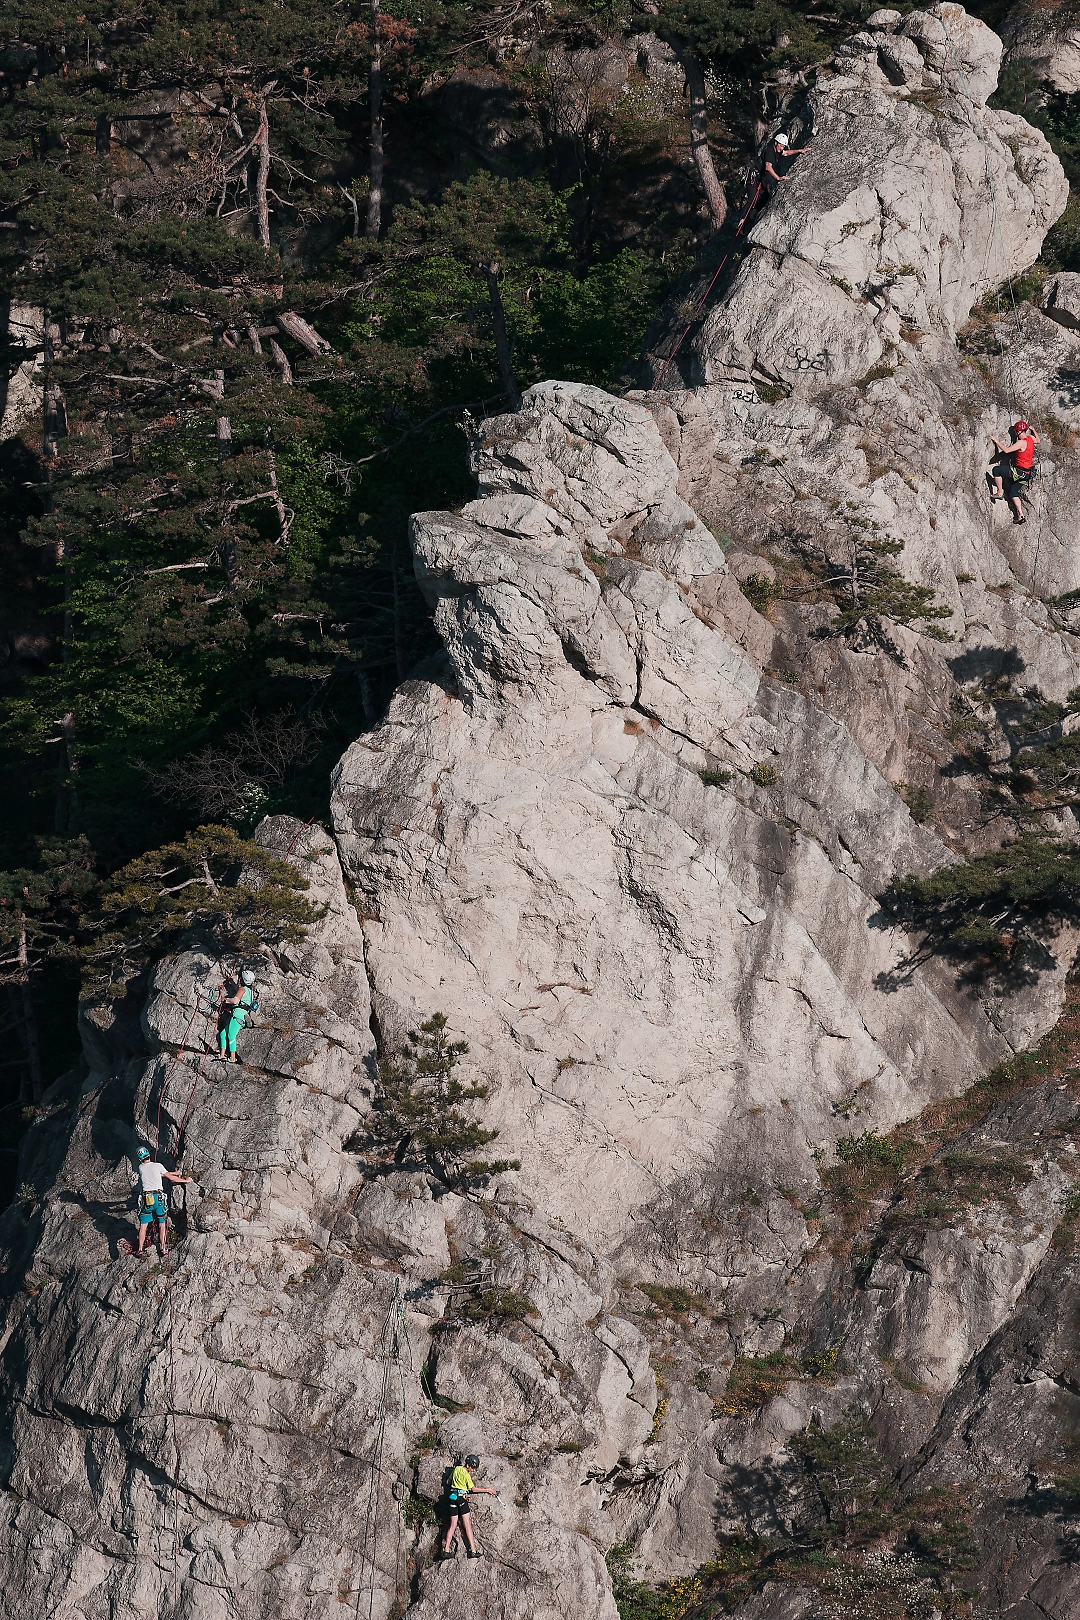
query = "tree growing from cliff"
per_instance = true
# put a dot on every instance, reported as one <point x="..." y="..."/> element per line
<point x="232" y="891"/>
<point x="992" y="911"/>
<point x="418" y="1117"/>
<point x="851" y="565"/>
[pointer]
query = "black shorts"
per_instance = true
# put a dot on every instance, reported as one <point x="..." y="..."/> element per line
<point x="457" y="1502"/>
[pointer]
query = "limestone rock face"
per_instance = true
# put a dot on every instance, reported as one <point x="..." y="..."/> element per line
<point x="901" y="215"/>
<point x="629" y="835"/>
<point x="593" y="886"/>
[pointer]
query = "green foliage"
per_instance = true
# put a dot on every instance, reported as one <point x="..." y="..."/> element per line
<point x="737" y="38"/>
<point x="494" y="1306"/>
<point x="994" y="910"/>
<point x="918" y="801"/>
<point x="487" y="219"/>
<point x="760" y="591"/>
<point x="857" y="1540"/>
<point x="41" y="907"/>
<point x="764" y="774"/>
<point x="753" y="1382"/>
<point x="420" y="1511"/>
<point x="856" y="573"/>
<point x="233" y="892"/>
<point x="870" y="1150"/>
<point x="673" y="1301"/>
<point x="756" y="1380"/>
<point x="1067" y="1489"/>
<point x="418" y="1117"/>
<point x="883" y="369"/>
<point x="867" y="1167"/>
<point x="1065" y="1233"/>
<point x="634" y="1599"/>
<point x="851" y="1478"/>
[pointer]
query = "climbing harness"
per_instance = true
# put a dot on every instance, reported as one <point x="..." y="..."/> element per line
<point x="758" y="188"/>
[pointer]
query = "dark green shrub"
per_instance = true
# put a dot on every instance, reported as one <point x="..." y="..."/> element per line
<point x="760" y="591"/>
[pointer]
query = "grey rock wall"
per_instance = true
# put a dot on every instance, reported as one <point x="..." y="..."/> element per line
<point x="629" y="838"/>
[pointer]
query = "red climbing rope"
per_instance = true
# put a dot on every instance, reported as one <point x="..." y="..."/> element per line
<point x="303" y="829"/>
<point x="709" y="288"/>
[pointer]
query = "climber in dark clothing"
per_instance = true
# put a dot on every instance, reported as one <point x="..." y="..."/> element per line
<point x="776" y="165"/>
<point x="1017" y="464"/>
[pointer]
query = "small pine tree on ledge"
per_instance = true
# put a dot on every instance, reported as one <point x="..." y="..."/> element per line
<point x="418" y="1116"/>
<point x="996" y="911"/>
<point x="852" y="569"/>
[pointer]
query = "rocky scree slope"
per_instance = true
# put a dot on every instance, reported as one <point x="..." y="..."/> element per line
<point x="637" y="868"/>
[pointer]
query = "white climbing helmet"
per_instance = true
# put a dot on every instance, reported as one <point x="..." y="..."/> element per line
<point x="781" y="139"/>
<point x="248" y="977"/>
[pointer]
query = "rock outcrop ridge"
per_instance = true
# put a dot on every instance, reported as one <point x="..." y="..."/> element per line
<point x="629" y="834"/>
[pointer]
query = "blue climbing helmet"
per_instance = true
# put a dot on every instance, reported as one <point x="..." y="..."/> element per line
<point x="143" y="1154"/>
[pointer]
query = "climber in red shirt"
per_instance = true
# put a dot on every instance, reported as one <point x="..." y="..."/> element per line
<point x="1019" y="463"/>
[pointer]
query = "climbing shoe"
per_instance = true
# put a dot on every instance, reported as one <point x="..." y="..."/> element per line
<point x="477" y="1554"/>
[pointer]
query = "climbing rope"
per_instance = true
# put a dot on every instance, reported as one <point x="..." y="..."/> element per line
<point x="210" y="997"/>
<point x="716" y="274"/>
<point x="169" y="1073"/>
<point x="395" y="1334"/>
<point x="295" y="836"/>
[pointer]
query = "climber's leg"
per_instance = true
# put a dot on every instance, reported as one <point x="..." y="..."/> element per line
<point x="466" y="1530"/>
<point x="451" y="1532"/>
<point x="151" y="1210"/>
<point x="1015" y="490"/>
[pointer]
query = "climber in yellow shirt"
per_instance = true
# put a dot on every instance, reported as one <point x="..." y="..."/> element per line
<point x="460" y="1488"/>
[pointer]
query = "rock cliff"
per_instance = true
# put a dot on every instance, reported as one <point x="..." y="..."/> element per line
<point x="629" y="834"/>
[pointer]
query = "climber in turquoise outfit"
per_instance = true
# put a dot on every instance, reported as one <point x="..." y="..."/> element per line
<point x="236" y="1011"/>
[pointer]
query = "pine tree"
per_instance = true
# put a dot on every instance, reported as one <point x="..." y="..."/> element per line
<point x="41" y="909"/>
<point x="230" y="891"/>
<point x="418" y="1114"/>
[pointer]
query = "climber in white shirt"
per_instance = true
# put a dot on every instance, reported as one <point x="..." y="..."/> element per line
<point x="153" y="1208"/>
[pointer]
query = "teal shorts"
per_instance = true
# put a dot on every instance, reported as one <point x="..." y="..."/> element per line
<point x="152" y="1207"/>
